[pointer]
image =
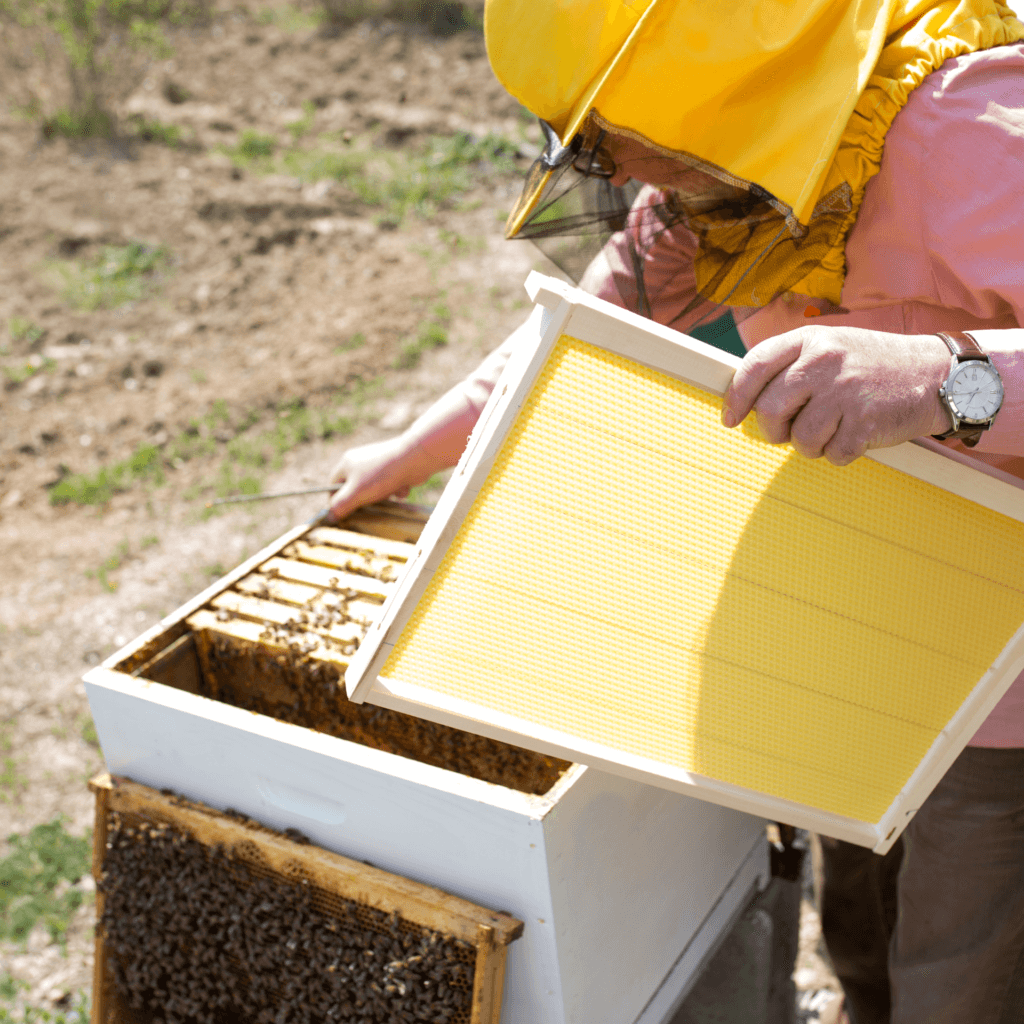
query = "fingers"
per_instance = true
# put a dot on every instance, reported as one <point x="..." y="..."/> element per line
<point x="759" y="368"/>
<point x="814" y="428"/>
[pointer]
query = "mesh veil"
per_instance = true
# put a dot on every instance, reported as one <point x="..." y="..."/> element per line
<point x="745" y="246"/>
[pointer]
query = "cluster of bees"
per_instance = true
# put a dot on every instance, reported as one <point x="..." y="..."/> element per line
<point x="200" y="936"/>
<point x="293" y="687"/>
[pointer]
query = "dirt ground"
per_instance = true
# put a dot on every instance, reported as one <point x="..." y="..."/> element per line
<point x="283" y="320"/>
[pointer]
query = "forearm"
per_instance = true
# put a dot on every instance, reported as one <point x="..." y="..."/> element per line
<point x="437" y="438"/>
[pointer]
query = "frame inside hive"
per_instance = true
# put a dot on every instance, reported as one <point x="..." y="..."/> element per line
<point x="330" y="879"/>
<point x="276" y="636"/>
<point x="605" y="712"/>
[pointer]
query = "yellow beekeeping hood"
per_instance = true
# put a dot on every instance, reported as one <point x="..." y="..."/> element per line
<point x="794" y="97"/>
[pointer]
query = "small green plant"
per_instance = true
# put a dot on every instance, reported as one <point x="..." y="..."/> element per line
<point x="12" y="782"/>
<point x="433" y="333"/>
<point x="149" y="541"/>
<point x="30" y="875"/>
<point x="116" y="275"/>
<point x="79" y="124"/>
<point x="21" y="372"/>
<point x="22" y="329"/>
<point x="10" y="987"/>
<point x="253" y="147"/>
<point x="350" y="344"/>
<point x="109" y="565"/>
<point x="304" y="125"/>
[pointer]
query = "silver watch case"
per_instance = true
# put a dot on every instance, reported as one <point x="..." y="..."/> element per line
<point x="956" y="370"/>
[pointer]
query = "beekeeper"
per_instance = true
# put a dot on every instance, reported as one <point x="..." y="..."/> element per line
<point x="847" y="180"/>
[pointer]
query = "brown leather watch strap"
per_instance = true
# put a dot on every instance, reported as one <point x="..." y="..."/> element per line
<point x="962" y="345"/>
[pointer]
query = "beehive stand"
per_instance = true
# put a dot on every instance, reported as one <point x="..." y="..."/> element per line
<point x="614" y="578"/>
<point x="333" y="878"/>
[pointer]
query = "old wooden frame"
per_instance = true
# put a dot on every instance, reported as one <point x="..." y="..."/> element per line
<point x="560" y="310"/>
<point x="488" y="931"/>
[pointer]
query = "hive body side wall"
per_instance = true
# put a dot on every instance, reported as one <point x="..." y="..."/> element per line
<point x="460" y="842"/>
<point x="635" y="870"/>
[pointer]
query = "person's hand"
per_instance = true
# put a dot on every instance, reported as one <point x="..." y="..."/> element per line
<point x="373" y="472"/>
<point x="838" y="391"/>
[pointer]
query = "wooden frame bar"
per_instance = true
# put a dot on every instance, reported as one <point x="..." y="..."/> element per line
<point x="490" y="932"/>
<point x="564" y="310"/>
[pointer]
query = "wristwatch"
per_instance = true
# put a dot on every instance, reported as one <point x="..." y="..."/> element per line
<point x="973" y="391"/>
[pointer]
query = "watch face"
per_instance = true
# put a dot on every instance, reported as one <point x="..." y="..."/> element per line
<point x="975" y="391"/>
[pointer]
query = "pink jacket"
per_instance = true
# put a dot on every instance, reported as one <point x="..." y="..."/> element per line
<point x="937" y="246"/>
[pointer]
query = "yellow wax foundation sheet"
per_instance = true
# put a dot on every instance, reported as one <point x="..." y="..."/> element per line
<point x="616" y="576"/>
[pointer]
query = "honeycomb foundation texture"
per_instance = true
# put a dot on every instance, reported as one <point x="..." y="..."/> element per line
<point x="201" y="935"/>
<point x="671" y="590"/>
<point x="304" y="691"/>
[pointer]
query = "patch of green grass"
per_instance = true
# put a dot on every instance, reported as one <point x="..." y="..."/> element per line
<point x="12" y="782"/>
<point x="21" y="372"/>
<point x="30" y="874"/>
<point x="10" y="987"/>
<point x="98" y="488"/>
<point x="433" y="333"/>
<point x="433" y="177"/>
<point x="77" y="1014"/>
<point x="248" y="442"/>
<point x="156" y="131"/>
<point x="253" y="148"/>
<point x="149" y="541"/>
<point x="22" y="329"/>
<point x="88" y="731"/>
<point x="289" y="18"/>
<point x="118" y="274"/>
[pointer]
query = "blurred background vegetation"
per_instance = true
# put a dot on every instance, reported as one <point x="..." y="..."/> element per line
<point x="74" y="61"/>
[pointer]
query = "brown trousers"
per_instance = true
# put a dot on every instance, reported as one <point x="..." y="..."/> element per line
<point x="933" y="932"/>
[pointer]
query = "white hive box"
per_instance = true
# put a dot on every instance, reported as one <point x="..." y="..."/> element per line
<point x="613" y="577"/>
<point x="624" y="888"/>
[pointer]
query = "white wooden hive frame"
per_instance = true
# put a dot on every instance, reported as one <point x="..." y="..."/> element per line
<point x="563" y="310"/>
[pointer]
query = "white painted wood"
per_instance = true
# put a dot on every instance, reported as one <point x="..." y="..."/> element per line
<point x="951" y="742"/>
<point x="197" y="602"/>
<point x="483" y="721"/>
<point x="979" y="483"/>
<point x="508" y="397"/>
<point x="468" y="837"/>
<point x="633" y="336"/>
<point x="622" y="901"/>
<point x="651" y="857"/>
<point x="750" y="877"/>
